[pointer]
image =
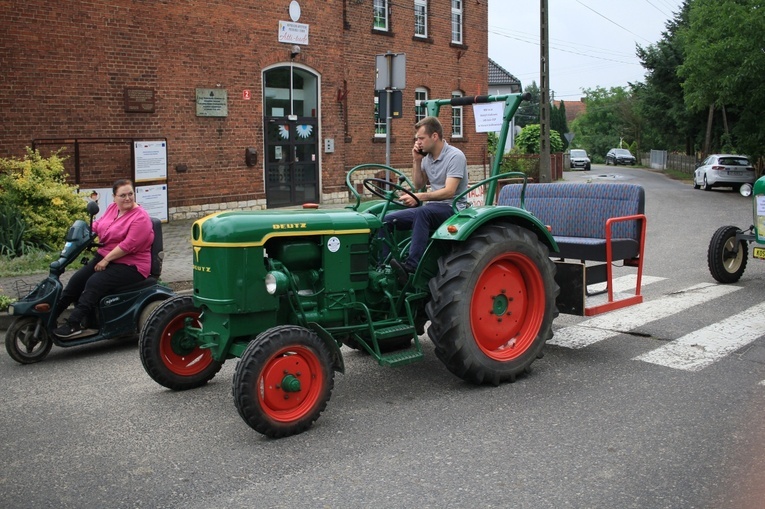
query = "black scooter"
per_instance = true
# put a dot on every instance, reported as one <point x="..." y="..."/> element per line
<point x="30" y="336"/>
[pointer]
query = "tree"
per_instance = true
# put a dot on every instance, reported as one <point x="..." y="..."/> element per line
<point x="558" y="121"/>
<point x="668" y="122"/>
<point x="610" y="118"/>
<point x="527" y="140"/>
<point x="528" y="112"/>
<point x="724" y="62"/>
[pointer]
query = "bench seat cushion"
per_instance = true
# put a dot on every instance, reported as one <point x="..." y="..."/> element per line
<point x="585" y="248"/>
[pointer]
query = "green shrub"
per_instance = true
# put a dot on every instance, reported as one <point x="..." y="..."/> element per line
<point x="5" y="301"/>
<point x="529" y="138"/>
<point x="516" y="161"/>
<point x="35" y="188"/>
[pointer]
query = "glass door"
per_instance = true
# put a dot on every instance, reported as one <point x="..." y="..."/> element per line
<point x="291" y="126"/>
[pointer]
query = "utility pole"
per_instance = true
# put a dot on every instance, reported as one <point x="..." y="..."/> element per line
<point x="545" y="175"/>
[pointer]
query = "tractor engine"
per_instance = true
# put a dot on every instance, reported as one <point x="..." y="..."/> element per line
<point x="256" y="270"/>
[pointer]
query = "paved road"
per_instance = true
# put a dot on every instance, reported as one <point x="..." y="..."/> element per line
<point x="660" y="405"/>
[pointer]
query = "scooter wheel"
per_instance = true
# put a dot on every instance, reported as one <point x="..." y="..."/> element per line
<point x="23" y="345"/>
<point x="171" y="357"/>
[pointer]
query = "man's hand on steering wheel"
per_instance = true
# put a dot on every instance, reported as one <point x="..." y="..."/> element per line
<point x="411" y="200"/>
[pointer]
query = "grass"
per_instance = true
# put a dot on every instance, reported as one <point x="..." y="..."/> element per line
<point x="35" y="262"/>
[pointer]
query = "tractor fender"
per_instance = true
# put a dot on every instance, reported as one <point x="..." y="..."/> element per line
<point x="337" y="357"/>
<point x="462" y="225"/>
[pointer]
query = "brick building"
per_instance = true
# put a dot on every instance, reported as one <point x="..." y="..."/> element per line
<point x="217" y="80"/>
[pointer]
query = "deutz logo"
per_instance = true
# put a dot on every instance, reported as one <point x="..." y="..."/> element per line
<point x="290" y="226"/>
<point x="201" y="268"/>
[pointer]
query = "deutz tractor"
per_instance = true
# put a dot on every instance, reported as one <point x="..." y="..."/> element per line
<point x="728" y="249"/>
<point x="284" y="290"/>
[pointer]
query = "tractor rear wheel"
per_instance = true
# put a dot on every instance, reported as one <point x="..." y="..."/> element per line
<point x="170" y="356"/>
<point x="725" y="263"/>
<point x="283" y="381"/>
<point x="493" y="304"/>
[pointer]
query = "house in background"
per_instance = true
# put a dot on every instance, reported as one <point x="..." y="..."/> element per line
<point x="502" y="82"/>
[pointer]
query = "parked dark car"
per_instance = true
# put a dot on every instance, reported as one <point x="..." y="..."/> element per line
<point x="579" y="159"/>
<point x="618" y="156"/>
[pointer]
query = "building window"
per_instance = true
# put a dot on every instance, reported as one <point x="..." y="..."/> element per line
<point x="420" y="111"/>
<point x="420" y="18"/>
<point x="380" y="123"/>
<point x="381" y="15"/>
<point x="456" y="117"/>
<point x="457" y="21"/>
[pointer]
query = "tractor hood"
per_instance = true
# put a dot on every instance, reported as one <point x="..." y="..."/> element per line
<point x="250" y="228"/>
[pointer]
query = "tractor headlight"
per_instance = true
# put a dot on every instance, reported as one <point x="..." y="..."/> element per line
<point x="276" y="282"/>
<point x="746" y="190"/>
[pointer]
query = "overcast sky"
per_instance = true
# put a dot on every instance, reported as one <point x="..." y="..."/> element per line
<point x="592" y="42"/>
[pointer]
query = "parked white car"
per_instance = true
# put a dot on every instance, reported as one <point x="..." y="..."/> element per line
<point x="724" y="170"/>
<point x="579" y="159"/>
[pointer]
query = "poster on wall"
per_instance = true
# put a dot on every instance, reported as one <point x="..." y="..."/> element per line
<point x="154" y="200"/>
<point x="101" y="195"/>
<point x="150" y="160"/>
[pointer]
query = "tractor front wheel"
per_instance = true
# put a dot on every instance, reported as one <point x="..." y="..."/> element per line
<point x="283" y="381"/>
<point x="726" y="264"/>
<point x="493" y="304"/>
<point x="169" y="355"/>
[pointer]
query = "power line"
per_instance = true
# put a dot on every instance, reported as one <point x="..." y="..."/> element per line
<point x="612" y="21"/>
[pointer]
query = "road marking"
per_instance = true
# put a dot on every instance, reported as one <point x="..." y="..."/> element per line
<point x="703" y="347"/>
<point x="627" y="319"/>
<point x="626" y="283"/>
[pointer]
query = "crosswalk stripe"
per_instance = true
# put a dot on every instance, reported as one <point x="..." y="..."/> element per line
<point x="626" y="283"/>
<point x="703" y="347"/>
<point x="624" y="320"/>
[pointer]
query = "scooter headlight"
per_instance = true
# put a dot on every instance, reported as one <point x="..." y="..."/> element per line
<point x="276" y="282"/>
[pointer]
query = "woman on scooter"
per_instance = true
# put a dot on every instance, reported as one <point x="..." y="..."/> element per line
<point x="124" y="258"/>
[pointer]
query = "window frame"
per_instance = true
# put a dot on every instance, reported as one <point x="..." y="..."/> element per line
<point x="423" y="4"/>
<point x="457" y="115"/>
<point x="420" y="111"/>
<point x="458" y="20"/>
<point x="380" y="122"/>
<point x="376" y="8"/>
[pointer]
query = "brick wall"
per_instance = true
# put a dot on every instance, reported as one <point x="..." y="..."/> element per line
<point x="66" y="66"/>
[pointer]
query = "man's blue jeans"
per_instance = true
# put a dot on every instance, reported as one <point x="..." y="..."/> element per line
<point x="423" y="221"/>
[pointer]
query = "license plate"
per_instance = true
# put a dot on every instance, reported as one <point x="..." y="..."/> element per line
<point x="735" y="173"/>
<point x="759" y="252"/>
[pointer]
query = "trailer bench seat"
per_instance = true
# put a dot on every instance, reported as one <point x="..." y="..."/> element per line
<point x="590" y="223"/>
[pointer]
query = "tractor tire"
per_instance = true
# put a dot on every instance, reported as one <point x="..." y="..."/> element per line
<point x="493" y="304"/>
<point x="725" y="265"/>
<point x="169" y="356"/>
<point x="21" y="343"/>
<point x="283" y="381"/>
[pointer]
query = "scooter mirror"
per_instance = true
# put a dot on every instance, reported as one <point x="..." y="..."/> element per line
<point x="92" y="208"/>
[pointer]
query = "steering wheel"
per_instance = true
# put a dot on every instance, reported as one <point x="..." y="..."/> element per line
<point x="378" y="188"/>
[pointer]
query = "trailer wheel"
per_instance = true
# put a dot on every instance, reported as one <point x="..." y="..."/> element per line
<point x="725" y="264"/>
<point x="493" y="304"/>
<point x="283" y="381"/>
<point x="168" y="354"/>
<point x="22" y="344"/>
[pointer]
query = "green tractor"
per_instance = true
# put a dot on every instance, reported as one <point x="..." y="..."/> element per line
<point x="284" y="290"/>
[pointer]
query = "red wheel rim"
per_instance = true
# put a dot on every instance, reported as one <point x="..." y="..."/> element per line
<point x="179" y="353"/>
<point x="507" y="307"/>
<point x="280" y="403"/>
